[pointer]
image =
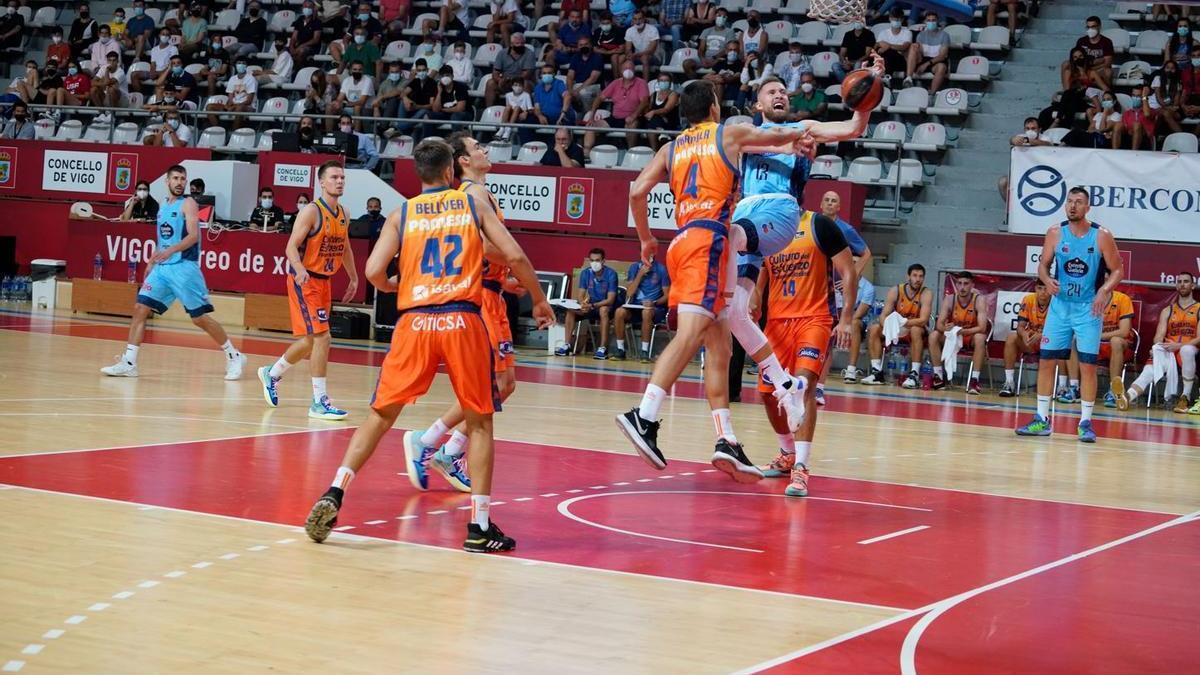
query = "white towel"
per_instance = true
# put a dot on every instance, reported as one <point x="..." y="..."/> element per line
<point x="950" y="351"/>
<point x="1164" y="365"/>
<point x="892" y="326"/>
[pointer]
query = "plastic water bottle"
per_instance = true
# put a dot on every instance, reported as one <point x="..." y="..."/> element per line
<point x="926" y="377"/>
<point x="97" y="267"/>
<point x="132" y="276"/>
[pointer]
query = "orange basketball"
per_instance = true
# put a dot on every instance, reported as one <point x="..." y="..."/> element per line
<point x="862" y="90"/>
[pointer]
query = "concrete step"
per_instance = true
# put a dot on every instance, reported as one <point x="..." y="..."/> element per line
<point x="1028" y="72"/>
<point x="960" y="194"/>
<point x="995" y="157"/>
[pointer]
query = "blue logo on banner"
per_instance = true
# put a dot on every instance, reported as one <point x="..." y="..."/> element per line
<point x="1041" y="190"/>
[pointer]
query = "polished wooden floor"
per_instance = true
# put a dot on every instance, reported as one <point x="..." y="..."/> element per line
<point x="94" y="581"/>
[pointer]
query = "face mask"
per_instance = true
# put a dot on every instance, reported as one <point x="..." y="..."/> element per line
<point x="51" y="72"/>
<point x="1031" y="134"/>
<point x="241" y="68"/>
<point x="795" y="57"/>
<point x="639" y="24"/>
<point x="138" y="11"/>
<point x="1196" y="63"/>
<point x="216" y="45"/>
<point x="731" y="57"/>
<point x="1092" y="33"/>
<point x="359" y="39"/>
<point x="307" y="11"/>
<point x="300" y="205"/>
<point x="142" y="194"/>
<point x="1182" y="30"/>
<point x="574" y="23"/>
<point x="856" y="26"/>
<point x="394" y="77"/>
<point x="547" y="78"/>
<point x="806" y="87"/>
<point x="346" y="128"/>
<point x="518" y="89"/>
<point x="364" y="17"/>
<point x="168" y="99"/>
<point x="21" y="117"/>
<point x="930" y="25"/>
<point x="720" y="22"/>
<point x="83" y="13"/>
<point x="357" y="76"/>
<point x="164" y="39"/>
<point x="446" y="80"/>
<point x="596" y="265"/>
<point x="72" y="71"/>
<point x="664" y="86"/>
<point x="1106" y="104"/>
<point x="627" y="74"/>
<point x="420" y="74"/>
<point x="605" y="27"/>
<point x="460" y="53"/>
<point x="586" y="51"/>
<point x="753" y="24"/>
<point x="267" y="202"/>
<point x="174" y="123"/>
<point x="895" y="23"/>
<point x="105" y="40"/>
<point x="56" y="39"/>
<point x="176" y="70"/>
<point x="518" y="49"/>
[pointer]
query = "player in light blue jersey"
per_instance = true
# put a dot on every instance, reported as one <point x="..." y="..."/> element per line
<point x="1083" y="252"/>
<point x="174" y="273"/>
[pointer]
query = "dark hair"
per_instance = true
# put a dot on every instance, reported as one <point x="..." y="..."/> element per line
<point x="140" y="183"/>
<point x="964" y="275"/>
<point x="597" y="251"/>
<point x="1078" y="190"/>
<point x="933" y="12"/>
<point x="266" y="188"/>
<point x="896" y="13"/>
<point x="176" y="168"/>
<point x="916" y="267"/>
<point x="1031" y="119"/>
<point x="331" y="164"/>
<point x="1183" y="273"/>
<point x="197" y="183"/>
<point x="458" y="146"/>
<point x="357" y="62"/>
<point x="306" y="196"/>
<point x="375" y="199"/>
<point x="420" y="62"/>
<point x="697" y="100"/>
<point x="446" y="70"/>
<point x="1093" y="18"/>
<point x="432" y="157"/>
<point x="20" y="104"/>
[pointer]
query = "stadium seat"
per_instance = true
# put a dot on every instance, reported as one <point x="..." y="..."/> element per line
<point x="479" y="28"/>
<point x="396" y="50"/>
<point x="833" y="97"/>
<point x="194" y="69"/>
<point x="43" y="129"/>
<point x="949" y="103"/>
<point x="213" y="137"/>
<point x="45" y="17"/>
<point x="739" y="26"/>
<point x="887" y="131"/>
<point x="912" y="173"/>
<point x="126" y="133"/>
<point x="218" y="98"/>
<point x="69" y="130"/>
<point x="1120" y="39"/>
<point x="491" y="116"/>
<point x="971" y="69"/>
<point x="266" y="142"/>
<point x="173" y="15"/>
<point x="678" y="57"/>
<point x="604" y="156"/>
<point x="398" y="146"/>
<point x="448" y="52"/>
<point x="481" y="87"/>
<point x="795" y="8"/>
<point x="960" y="35"/>
<point x="226" y="20"/>
<point x="822" y="64"/>
<point x="736" y="7"/>
<point x="1129" y="11"/>
<point x="1132" y="73"/>
<point x="135" y="99"/>
<point x="1124" y="99"/>
<point x="241" y="140"/>
<point x="272" y="108"/>
<point x="836" y="34"/>
<point x="636" y="157"/>
<point x="281" y="22"/>
<point x="1180" y="142"/>
<point x="541" y="30"/>
<point x="228" y="41"/>
<point x="765" y="7"/>
<point x="812" y="33"/>
<point x="416" y="26"/>
<point x="298" y="107"/>
<point x="827" y="165"/>
<point x="486" y="55"/>
<point x="499" y="152"/>
<point x="1150" y="43"/>
<point x="97" y="132"/>
<point x="910" y="101"/>
<point x="740" y="119"/>
<point x="866" y="170"/>
<point x="991" y="38"/>
<point x="1056" y="135"/>
<point x="779" y="32"/>
<point x="927" y="137"/>
<point x="302" y="79"/>
<point x="156" y="14"/>
<point x="531" y="153"/>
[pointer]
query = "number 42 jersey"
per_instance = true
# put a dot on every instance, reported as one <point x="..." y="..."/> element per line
<point x="441" y="251"/>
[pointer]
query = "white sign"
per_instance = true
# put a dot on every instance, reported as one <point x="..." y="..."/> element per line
<point x="660" y="208"/>
<point x="524" y="197"/>
<point x="74" y="171"/>
<point x="1008" y="306"/>
<point x="1137" y="195"/>
<point x="293" y="175"/>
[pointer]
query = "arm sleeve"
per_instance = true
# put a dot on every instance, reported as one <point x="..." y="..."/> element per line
<point x="829" y="236"/>
<point x="853" y="239"/>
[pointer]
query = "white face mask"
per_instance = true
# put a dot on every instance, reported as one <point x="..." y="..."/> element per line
<point x="57" y="39"/>
<point x="856" y="26"/>
<point x="731" y="57"/>
<point x="596" y="265"/>
<point x="806" y="87"/>
<point x="627" y="74"/>
<point x="664" y="86"/>
<point x="518" y="89"/>
<point x="446" y="80"/>
<point x="142" y="194"/>
<point x="460" y="54"/>
<point x="1092" y="33"/>
<point x="1031" y="134"/>
<point x="895" y="23"/>
<point x="346" y="128"/>
<point x="267" y="202"/>
<point x="795" y="57"/>
<point x="173" y="122"/>
<point x="720" y="22"/>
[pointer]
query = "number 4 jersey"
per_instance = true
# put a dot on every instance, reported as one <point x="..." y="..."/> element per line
<point x="441" y="251"/>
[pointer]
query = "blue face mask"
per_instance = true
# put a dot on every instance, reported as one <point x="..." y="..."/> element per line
<point x="394" y="77"/>
<point x="930" y="25"/>
<point x="364" y="17"/>
<point x="547" y="78"/>
<point x="1106" y="104"/>
<point x="1136" y="100"/>
<point x="241" y="68"/>
<point x="177" y="70"/>
<point x="307" y="11"/>
<point x="138" y="11"/>
<point x="72" y="71"/>
<point x="1196" y="63"/>
<point x="1183" y="31"/>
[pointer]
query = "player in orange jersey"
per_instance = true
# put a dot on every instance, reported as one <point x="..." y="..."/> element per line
<point x="421" y="448"/>
<point x="967" y="310"/>
<point x="1027" y="338"/>
<point x="318" y="247"/>
<point x="1179" y="336"/>
<point x="442" y="236"/>
<point x="914" y="301"/>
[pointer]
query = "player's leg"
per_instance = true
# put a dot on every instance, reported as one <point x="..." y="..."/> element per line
<point x="155" y="296"/>
<point x="936" y="340"/>
<point x="620" y="324"/>
<point x="978" y="360"/>
<point x="728" y="455"/>
<point x="810" y="344"/>
<point x="850" y="375"/>
<point x="1056" y="344"/>
<point x="1187" y="371"/>
<point x="322" y="407"/>
<point x="1014" y="346"/>
<point x="1087" y="329"/>
<point x="875" y="351"/>
<point x="187" y="282"/>
<point x="304" y="325"/>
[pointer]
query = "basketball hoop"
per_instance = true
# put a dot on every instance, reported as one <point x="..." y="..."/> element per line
<point x="838" y="11"/>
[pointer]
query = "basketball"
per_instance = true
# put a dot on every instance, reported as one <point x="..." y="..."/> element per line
<point x="862" y="90"/>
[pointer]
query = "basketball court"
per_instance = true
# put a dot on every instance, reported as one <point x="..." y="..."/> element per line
<point x="154" y="524"/>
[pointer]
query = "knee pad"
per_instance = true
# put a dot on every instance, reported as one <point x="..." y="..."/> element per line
<point x="741" y="325"/>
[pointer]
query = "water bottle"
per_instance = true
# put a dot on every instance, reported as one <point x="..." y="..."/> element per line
<point x="926" y="377"/>
<point x="97" y="267"/>
<point x="132" y="276"/>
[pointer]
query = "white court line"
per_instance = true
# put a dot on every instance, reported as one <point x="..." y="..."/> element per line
<point x="293" y="430"/>
<point x="13" y="666"/>
<point x="901" y="533"/>
<point x="954" y="600"/>
<point x="54" y="634"/>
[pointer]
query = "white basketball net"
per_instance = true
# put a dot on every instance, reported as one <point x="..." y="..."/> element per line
<point x="839" y="11"/>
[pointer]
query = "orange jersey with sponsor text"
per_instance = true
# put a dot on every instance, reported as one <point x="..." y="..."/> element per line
<point x="492" y="272"/>
<point x="441" y="250"/>
<point x="1181" y="322"/>
<point x="964" y="316"/>
<point x="1033" y="314"/>
<point x="1119" y="307"/>
<point x="702" y="179"/>
<point x="908" y="306"/>
<point x="799" y="278"/>
<point x="321" y="252"/>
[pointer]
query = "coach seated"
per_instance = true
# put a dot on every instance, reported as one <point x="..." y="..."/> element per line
<point x="914" y="303"/>
<point x="649" y="284"/>
<point x="141" y="206"/>
<point x="597" y="296"/>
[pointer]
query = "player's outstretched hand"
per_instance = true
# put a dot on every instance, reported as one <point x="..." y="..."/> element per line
<point x="351" y="289"/>
<point x="543" y="313"/>
<point x="649" y="249"/>
<point x="841" y="335"/>
<point x="877" y="65"/>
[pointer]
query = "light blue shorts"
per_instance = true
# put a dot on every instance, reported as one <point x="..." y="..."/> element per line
<point x="1067" y="320"/>
<point x="181" y="281"/>
<point x="770" y="222"/>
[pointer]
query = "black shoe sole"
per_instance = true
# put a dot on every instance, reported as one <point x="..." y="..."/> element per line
<point x="740" y="473"/>
<point x="321" y="519"/>
<point x="476" y="548"/>
<point x="640" y="445"/>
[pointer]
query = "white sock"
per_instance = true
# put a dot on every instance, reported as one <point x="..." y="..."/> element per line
<point x="229" y="349"/>
<point x="1187" y="387"/>
<point x="787" y="443"/>
<point x="343" y="478"/>
<point x="645" y="347"/>
<point x="724" y="424"/>
<point x="1010" y="376"/>
<point x="1043" y="406"/>
<point x="876" y="364"/>
<point x="773" y="371"/>
<point x="1085" y="410"/>
<point x="621" y="345"/>
<point x="821" y="387"/>
<point x="319" y="388"/>
<point x="802" y="450"/>
<point x="130" y="355"/>
<point x="479" y="510"/>
<point x="1062" y="381"/>
<point x="456" y="444"/>
<point x="1131" y="394"/>
<point x="433" y="435"/>
<point x="651" y="400"/>
<point x="937" y="370"/>
<point x="281" y="366"/>
<point x="1075" y="383"/>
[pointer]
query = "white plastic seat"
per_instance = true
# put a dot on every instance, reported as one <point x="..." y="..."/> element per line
<point x="912" y="173"/>
<point x="1181" y="142"/>
<point x="398" y="146"/>
<point x="1129" y="11"/>
<point x="992" y="38"/>
<point x="822" y="64"/>
<point x="960" y="35"/>
<point x="1120" y="39"/>
<point x="97" y="132"/>
<point x="927" y="137"/>
<point x="448" y="52"/>
<point x="765" y="7"/>
<point x="812" y="33"/>
<point x="866" y="170"/>
<point x="1150" y="43"/>
<point x="194" y="69"/>
<point x="833" y="97"/>
<point x="273" y="108"/>
<point x="302" y="79"/>
<point x="795" y="8"/>
<point x="416" y="27"/>
<point x="70" y="130"/>
<point x="679" y="57"/>
<point x="491" y="116"/>
<point x="154" y="13"/>
<point x="281" y="21"/>
<point x="43" y="129"/>
<point x="604" y="156"/>
<point x="887" y="131"/>
<point x="215" y="99"/>
<point x="541" y="30"/>
<point x="499" y="152"/>
<point x="971" y="69"/>
<point x="779" y="32"/>
<point x="827" y="165"/>
<point x="531" y="152"/>
<point x="242" y="140"/>
<point x="212" y="137"/>
<point x="126" y="133"/>
<point x="266" y="142"/>
<point x="949" y="102"/>
<point x="636" y="158"/>
<point x="480" y="88"/>
<point x="910" y="101"/>
<point x="479" y="28"/>
<point x="1133" y="73"/>
<point x="1056" y="135"/>
<point x="45" y="17"/>
<point x="396" y="50"/>
<point x="487" y="53"/>
<point x="226" y="20"/>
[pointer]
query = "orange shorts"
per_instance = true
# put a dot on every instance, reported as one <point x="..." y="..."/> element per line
<point x="696" y="265"/>
<point x="801" y="344"/>
<point x="310" y="305"/>
<point x="423" y="341"/>
<point x="495" y="317"/>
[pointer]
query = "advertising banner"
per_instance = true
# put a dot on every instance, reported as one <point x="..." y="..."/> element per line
<point x="95" y="172"/>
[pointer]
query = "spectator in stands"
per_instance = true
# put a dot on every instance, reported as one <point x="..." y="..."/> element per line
<point x="809" y="103"/>
<point x="390" y="93"/>
<point x="335" y="16"/>
<point x="699" y="17"/>
<point x="1179" y="47"/>
<point x="141" y="206"/>
<point x="20" y="127"/>
<point x="266" y="214"/>
<point x="584" y="7"/>
<point x="584" y="73"/>
<point x="597" y="296"/>
<point x="110" y="84"/>
<point x="368" y="154"/>
<point x="196" y="188"/>
<point x="1099" y="51"/>
<point x="630" y="96"/>
<point x="552" y="99"/>
<point x="241" y="91"/>
<point x="755" y="71"/>
<point x="454" y="17"/>
<point x="172" y="133"/>
<point x="453" y="99"/>
<point x="754" y="39"/>
<point x="565" y="152"/>
<point x="430" y="49"/>
<point x="160" y="103"/>
<point x="355" y="92"/>
<point x="116" y="26"/>
<point x="83" y="29"/>
<point x="77" y="85"/>
<point x="893" y="44"/>
<point x="714" y="38"/>
<point x="215" y="63"/>
<point x="393" y="14"/>
<point x="795" y="65"/>
<point x="418" y="98"/>
<point x="670" y="17"/>
<point x="1105" y="122"/>
<point x="58" y="50"/>
<point x="306" y="34"/>
<point x="641" y="44"/>
<point x="194" y="31"/>
<point x="251" y="32"/>
<point x="727" y="71"/>
<point x="319" y="97"/>
<point x="50" y="89"/>
<point x="139" y="31"/>
<point x="609" y="39"/>
<point x="567" y="36"/>
<point x="622" y="12"/>
<point x="1190" y="77"/>
<point x="24" y="87"/>
<point x="1166" y="89"/>
<point x="361" y="50"/>
<point x="1013" y="9"/>
<point x="182" y="80"/>
<point x="515" y="63"/>
<point x="160" y="61"/>
<point x="301" y="202"/>
<point x="364" y="18"/>
<point x="506" y="19"/>
<point x="12" y="24"/>
<point x="518" y="106"/>
<point x="461" y="66"/>
<point x="930" y="53"/>
<point x="375" y="219"/>
<point x="1031" y="136"/>
<point x="105" y="43"/>
<point x="280" y="71"/>
<point x="1138" y="120"/>
<point x="663" y="109"/>
<point x="648" y="285"/>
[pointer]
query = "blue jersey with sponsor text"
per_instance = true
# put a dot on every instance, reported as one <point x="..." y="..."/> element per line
<point x="1079" y="263"/>
<point x="171" y="230"/>
<point x="768" y="174"/>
